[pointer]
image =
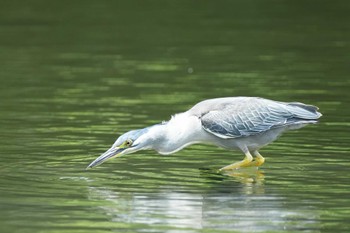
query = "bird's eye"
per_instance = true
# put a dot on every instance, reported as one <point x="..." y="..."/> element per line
<point x="128" y="142"/>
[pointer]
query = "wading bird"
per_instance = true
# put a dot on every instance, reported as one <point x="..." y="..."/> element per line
<point x="241" y="123"/>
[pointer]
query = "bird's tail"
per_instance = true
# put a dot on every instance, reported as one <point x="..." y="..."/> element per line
<point x="302" y="114"/>
<point x="303" y="111"/>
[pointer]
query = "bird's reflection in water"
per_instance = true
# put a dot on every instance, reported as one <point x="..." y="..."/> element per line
<point x="233" y="201"/>
<point x="247" y="175"/>
<point x="243" y="175"/>
<point x="251" y="179"/>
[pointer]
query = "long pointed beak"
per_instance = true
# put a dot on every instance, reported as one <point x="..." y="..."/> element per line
<point x="113" y="152"/>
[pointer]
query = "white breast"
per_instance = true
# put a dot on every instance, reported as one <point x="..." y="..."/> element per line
<point x="182" y="130"/>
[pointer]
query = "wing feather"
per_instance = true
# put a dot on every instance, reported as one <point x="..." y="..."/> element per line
<point x="250" y="116"/>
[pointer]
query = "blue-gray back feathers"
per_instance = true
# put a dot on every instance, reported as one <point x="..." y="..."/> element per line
<point x="245" y="116"/>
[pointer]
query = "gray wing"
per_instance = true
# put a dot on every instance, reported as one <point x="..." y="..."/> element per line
<point x="249" y="116"/>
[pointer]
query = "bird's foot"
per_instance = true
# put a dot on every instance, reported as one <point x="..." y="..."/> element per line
<point x="258" y="161"/>
<point x="244" y="163"/>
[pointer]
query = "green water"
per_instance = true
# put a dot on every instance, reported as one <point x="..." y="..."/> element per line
<point x="76" y="74"/>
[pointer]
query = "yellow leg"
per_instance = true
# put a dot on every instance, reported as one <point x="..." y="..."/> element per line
<point x="258" y="161"/>
<point x="244" y="163"/>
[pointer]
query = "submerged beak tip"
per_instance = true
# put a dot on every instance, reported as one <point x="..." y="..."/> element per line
<point x="89" y="167"/>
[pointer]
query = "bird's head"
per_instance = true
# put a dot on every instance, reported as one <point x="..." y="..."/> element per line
<point x="127" y="143"/>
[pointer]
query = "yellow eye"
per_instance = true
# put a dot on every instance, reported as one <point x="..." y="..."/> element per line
<point x="128" y="142"/>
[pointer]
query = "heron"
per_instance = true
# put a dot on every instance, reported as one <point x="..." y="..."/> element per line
<point x="234" y="123"/>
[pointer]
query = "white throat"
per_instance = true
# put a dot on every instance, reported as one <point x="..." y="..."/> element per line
<point x="182" y="130"/>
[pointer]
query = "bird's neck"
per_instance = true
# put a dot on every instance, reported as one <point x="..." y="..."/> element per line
<point x="182" y="130"/>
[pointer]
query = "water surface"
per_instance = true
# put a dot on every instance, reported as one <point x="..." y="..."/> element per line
<point x="75" y="75"/>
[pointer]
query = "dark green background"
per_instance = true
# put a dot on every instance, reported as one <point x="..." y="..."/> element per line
<point x="76" y="74"/>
